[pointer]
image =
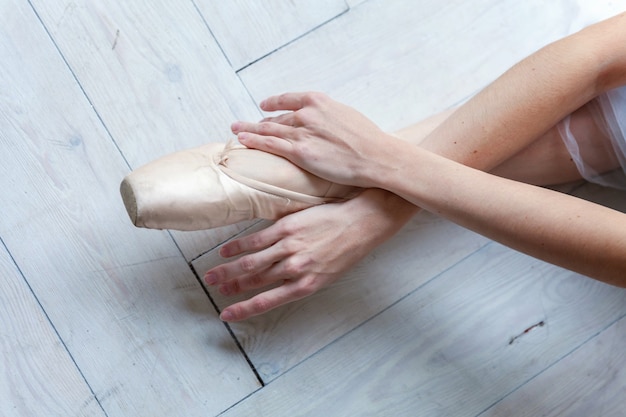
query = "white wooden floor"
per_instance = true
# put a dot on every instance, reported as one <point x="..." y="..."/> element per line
<point x="98" y="318"/>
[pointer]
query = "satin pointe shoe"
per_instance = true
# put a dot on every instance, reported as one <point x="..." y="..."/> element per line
<point x="220" y="184"/>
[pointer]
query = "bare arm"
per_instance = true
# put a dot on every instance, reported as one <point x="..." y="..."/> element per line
<point x="533" y="96"/>
<point x="337" y="143"/>
<point x="555" y="227"/>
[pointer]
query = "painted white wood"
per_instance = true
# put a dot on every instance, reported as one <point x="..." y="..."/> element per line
<point x="455" y="347"/>
<point x="354" y="3"/>
<point x="591" y="381"/>
<point x="37" y="375"/>
<point x="376" y="57"/>
<point x="156" y="77"/>
<point x="279" y="340"/>
<point x="133" y="317"/>
<point x="124" y="301"/>
<point x="247" y="30"/>
<point x="399" y="61"/>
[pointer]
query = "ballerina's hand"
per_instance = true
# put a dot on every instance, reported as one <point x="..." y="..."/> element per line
<point x="325" y="137"/>
<point x="305" y="251"/>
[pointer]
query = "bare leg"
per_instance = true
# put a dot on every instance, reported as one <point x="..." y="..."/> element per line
<point x="546" y="161"/>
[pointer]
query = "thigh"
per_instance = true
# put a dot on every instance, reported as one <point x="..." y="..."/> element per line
<point x="547" y="161"/>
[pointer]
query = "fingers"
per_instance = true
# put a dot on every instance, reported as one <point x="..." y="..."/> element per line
<point x="253" y="242"/>
<point x="287" y="101"/>
<point x="264" y="128"/>
<point x="245" y="267"/>
<point x="266" y="301"/>
<point x="264" y="252"/>
<point x="284" y="119"/>
<point x="266" y="136"/>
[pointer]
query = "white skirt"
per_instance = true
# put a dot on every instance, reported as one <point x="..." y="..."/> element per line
<point x="609" y="113"/>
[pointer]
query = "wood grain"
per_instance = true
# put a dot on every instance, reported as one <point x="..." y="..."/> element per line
<point x="37" y="375"/>
<point x="157" y="78"/>
<point x="399" y="63"/>
<point x="247" y="31"/>
<point x="455" y="347"/>
<point x="124" y="302"/>
<point x="105" y="319"/>
<point x="279" y="340"/>
<point x="590" y="381"/>
<point x="372" y="54"/>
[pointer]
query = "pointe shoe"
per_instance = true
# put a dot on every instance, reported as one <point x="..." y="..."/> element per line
<point x="220" y="184"/>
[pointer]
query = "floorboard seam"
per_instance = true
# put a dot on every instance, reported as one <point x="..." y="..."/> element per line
<point x="529" y="380"/>
<point x="364" y="322"/>
<point x="54" y="329"/>
<point x="82" y="89"/>
<point x="206" y="24"/>
<point x="234" y="236"/>
<point x="297" y="38"/>
<point x="228" y="328"/>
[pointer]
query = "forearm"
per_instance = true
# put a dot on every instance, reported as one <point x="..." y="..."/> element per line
<point x="560" y="229"/>
<point x="510" y="113"/>
<point x="388" y="212"/>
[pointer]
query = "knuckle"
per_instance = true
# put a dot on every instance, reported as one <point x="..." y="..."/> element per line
<point x="264" y="128"/>
<point x="230" y="288"/>
<point x="316" y="97"/>
<point x="287" y="226"/>
<point x="281" y="99"/>
<point x="247" y="263"/>
<point x="307" y="287"/>
<point x="256" y="281"/>
<point x="299" y="118"/>
<point x="293" y="267"/>
<point x="260" y="305"/>
<point x="289" y="247"/>
<point x="255" y="242"/>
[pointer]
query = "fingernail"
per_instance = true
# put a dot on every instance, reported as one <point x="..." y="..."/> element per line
<point x="224" y="252"/>
<point x="226" y="316"/>
<point x="210" y="278"/>
<point x="235" y="127"/>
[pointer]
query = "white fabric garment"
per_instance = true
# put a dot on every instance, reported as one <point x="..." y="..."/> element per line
<point x="608" y="112"/>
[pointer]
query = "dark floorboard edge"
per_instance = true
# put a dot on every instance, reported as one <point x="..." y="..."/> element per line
<point x="297" y="38"/>
<point x="332" y="342"/>
<point x="239" y="233"/>
<point x="54" y="329"/>
<point x="230" y="330"/>
<point x="583" y="343"/>
<point x="82" y="89"/>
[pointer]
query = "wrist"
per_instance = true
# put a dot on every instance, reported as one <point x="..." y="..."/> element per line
<point x="382" y="210"/>
<point x="378" y="167"/>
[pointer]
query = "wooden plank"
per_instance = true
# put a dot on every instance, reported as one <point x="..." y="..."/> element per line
<point x="247" y="31"/>
<point x="458" y="345"/>
<point x="124" y="301"/>
<point x="279" y="340"/>
<point x="390" y="41"/>
<point x="591" y="381"/>
<point x="156" y="77"/>
<point x="354" y="3"/>
<point x="400" y="62"/>
<point x="37" y="375"/>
